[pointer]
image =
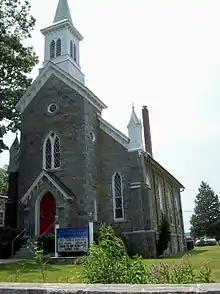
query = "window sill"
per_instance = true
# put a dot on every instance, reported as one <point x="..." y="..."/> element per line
<point x="53" y="169"/>
<point x="120" y="220"/>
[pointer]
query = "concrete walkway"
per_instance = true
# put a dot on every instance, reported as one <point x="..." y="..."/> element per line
<point x="6" y="261"/>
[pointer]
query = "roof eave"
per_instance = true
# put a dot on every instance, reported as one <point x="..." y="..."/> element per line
<point x="164" y="170"/>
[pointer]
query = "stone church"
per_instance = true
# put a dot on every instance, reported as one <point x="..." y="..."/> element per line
<point x="72" y="165"/>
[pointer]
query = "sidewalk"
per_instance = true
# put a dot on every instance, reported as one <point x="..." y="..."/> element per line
<point x="6" y="261"/>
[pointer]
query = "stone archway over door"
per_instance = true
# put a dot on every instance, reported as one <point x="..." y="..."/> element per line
<point x="47" y="213"/>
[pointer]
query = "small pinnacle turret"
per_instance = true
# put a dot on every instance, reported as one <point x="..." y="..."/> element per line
<point x="135" y="131"/>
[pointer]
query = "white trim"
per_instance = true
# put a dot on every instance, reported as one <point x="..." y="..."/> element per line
<point x="52" y="141"/>
<point x="34" y="184"/>
<point x="113" y="195"/>
<point x="135" y="187"/>
<point x="3" y="213"/>
<point x="52" y="69"/>
<point x="63" y="23"/>
<point x="113" y="132"/>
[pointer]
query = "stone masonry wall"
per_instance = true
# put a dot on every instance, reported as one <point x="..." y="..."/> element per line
<point x="6" y="288"/>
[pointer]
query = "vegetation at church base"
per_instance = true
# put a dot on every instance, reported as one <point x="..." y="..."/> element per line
<point x="30" y="271"/>
<point x="206" y="218"/>
<point x="16" y="59"/>
<point x="47" y="243"/>
<point x="109" y="257"/>
<point x="164" y="235"/>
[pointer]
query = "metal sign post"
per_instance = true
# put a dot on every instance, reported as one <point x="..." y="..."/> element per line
<point x="56" y="228"/>
<point x="91" y="230"/>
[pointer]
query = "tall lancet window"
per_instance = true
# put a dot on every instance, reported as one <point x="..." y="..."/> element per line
<point x="52" y="49"/>
<point x="75" y="52"/>
<point x="51" y="154"/>
<point x="71" y="48"/>
<point x="58" y="47"/>
<point x="117" y="197"/>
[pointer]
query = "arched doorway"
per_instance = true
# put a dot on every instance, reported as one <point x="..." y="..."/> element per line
<point x="47" y="213"/>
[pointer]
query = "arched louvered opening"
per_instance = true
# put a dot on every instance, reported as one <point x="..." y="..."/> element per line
<point x="52" y="49"/>
<point x="58" y="47"/>
<point x="71" y="48"/>
<point x="75" y="52"/>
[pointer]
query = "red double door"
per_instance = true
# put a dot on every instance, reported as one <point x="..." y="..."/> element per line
<point x="47" y="213"/>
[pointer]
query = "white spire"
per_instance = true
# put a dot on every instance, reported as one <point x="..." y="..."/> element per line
<point x="62" y="12"/>
<point x="62" y="42"/>
<point x="135" y="132"/>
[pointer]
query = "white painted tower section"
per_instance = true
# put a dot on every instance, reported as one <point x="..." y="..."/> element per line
<point x="67" y="57"/>
<point x="135" y="132"/>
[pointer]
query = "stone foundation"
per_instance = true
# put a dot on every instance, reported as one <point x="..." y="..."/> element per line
<point x="142" y="243"/>
<point x="6" y="288"/>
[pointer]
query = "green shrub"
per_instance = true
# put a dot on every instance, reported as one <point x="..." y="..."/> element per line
<point x="47" y="243"/>
<point x="164" y="235"/>
<point x="109" y="263"/>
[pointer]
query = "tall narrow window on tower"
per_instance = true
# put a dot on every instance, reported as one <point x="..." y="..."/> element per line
<point x="52" y="49"/>
<point x="71" y="48"/>
<point x="117" y="197"/>
<point x="58" y="47"/>
<point x="51" y="152"/>
<point x="75" y="53"/>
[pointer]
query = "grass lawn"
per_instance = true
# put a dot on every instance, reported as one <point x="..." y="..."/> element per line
<point x="28" y="271"/>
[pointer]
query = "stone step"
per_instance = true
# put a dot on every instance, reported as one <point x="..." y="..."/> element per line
<point x="23" y="253"/>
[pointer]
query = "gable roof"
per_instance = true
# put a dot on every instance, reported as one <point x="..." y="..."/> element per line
<point x="113" y="132"/>
<point x="54" y="181"/>
<point x="52" y="69"/>
<point x="161" y="168"/>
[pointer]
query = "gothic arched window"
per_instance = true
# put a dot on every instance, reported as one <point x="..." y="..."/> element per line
<point x="71" y="48"/>
<point x="75" y="52"/>
<point x="51" y="152"/>
<point x="117" y="196"/>
<point x="58" y="47"/>
<point x="52" y="49"/>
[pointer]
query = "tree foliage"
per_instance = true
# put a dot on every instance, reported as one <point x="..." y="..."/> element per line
<point x="16" y="59"/>
<point x="3" y="180"/>
<point x="206" y="218"/>
<point x="164" y="235"/>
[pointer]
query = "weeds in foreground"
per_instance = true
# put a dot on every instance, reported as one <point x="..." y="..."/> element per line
<point x="109" y="257"/>
<point x="41" y="260"/>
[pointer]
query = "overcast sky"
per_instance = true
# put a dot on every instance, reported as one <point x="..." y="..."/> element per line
<point x="161" y="53"/>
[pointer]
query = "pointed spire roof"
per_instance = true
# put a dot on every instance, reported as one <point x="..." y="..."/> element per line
<point x="15" y="145"/>
<point x="63" y="12"/>
<point x="134" y="119"/>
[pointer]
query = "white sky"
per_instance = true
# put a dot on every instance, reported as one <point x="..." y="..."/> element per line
<point x="163" y="54"/>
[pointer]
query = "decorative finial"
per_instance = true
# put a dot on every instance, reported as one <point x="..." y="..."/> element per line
<point x="132" y="105"/>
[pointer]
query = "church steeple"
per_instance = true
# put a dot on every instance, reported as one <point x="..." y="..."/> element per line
<point x="135" y="132"/>
<point x="62" y="12"/>
<point x="62" y="42"/>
